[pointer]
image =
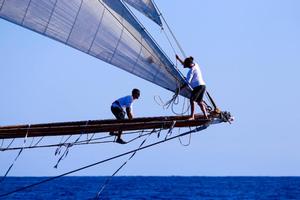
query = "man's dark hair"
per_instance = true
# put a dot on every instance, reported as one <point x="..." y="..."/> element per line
<point x="136" y="91"/>
<point x="188" y="61"/>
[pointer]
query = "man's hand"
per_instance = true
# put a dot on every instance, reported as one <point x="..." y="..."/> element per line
<point x="129" y="113"/>
<point x="177" y="57"/>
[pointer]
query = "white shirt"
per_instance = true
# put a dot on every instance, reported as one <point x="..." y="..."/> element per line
<point x="194" y="76"/>
<point x="125" y="102"/>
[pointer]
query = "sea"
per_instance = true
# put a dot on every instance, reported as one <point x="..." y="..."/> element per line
<point x="153" y="187"/>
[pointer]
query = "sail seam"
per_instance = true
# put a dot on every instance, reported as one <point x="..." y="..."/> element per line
<point x="140" y="52"/>
<point x="100" y="1"/>
<point x="117" y="45"/>
<point x="52" y="12"/>
<point x="121" y="34"/>
<point x="25" y="13"/>
<point x="74" y="21"/>
<point x="2" y="5"/>
<point x="157" y="46"/>
<point x="98" y="27"/>
<point x="146" y="32"/>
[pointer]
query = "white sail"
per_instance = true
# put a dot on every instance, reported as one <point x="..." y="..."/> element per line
<point x="147" y="8"/>
<point x="104" y="29"/>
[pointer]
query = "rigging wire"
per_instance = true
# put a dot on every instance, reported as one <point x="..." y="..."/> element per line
<point x="99" y="140"/>
<point x="38" y="141"/>
<point x="32" y="141"/>
<point x="200" y="128"/>
<point x="133" y="154"/>
<point x="66" y="152"/>
<point x="177" y="43"/>
<point x="58" y="150"/>
<point x="11" y="143"/>
<point x="170" y="30"/>
<point x="140" y="42"/>
<point x="10" y="167"/>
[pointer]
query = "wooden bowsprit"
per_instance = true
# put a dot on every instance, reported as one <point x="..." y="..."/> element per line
<point x="97" y="126"/>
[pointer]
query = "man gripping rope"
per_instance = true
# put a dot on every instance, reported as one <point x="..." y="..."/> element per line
<point x="195" y="79"/>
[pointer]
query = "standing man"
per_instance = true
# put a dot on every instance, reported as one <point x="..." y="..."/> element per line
<point x="118" y="106"/>
<point x="195" y="79"/>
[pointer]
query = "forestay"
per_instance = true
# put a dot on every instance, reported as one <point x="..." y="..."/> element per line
<point x="104" y="29"/>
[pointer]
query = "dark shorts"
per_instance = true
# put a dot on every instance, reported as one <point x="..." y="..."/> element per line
<point x="198" y="92"/>
<point x="118" y="112"/>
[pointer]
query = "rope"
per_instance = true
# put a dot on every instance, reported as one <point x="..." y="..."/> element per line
<point x="38" y="141"/>
<point x="200" y="128"/>
<point x="81" y="142"/>
<point x="177" y="43"/>
<point x="171" y="129"/>
<point x="137" y="39"/>
<point x="8" y="170"/>
<point x="169" y="29"/>
<point x="171" y="103"/>
<point x="58" y="150"/>
<point x="66" y="152"/>
<point x="10" y="143"/>
<point x="169" y="41"/>
<point x="108" y="179"/>
<point x="32" y="141"/>
<point x="189" y="142"/>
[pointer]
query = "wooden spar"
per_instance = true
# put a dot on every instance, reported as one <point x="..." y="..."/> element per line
<point x="95" y="126"/>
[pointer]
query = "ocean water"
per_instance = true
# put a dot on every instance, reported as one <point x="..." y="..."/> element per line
<point x="142" y="187"/>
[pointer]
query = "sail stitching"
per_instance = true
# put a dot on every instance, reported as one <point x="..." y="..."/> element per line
<point x="74" y="21"/>
<point x="26" y="12"/>
<point x="2" y="5"/>
<point x="52" y="11"/>
<point x="98" y="27"/>
<point x="167" y="69"/>
<point x="140" y="52"/>
<point x="120" y="38"/>
<point x="161" y="51"/>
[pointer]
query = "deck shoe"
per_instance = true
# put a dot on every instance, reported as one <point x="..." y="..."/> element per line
<point x="120" y="141"/>
<point x="113" y="133"/>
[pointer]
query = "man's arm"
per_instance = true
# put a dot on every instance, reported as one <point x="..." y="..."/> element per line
<point x="129" y="113"/>
<point x="181" y="61"/>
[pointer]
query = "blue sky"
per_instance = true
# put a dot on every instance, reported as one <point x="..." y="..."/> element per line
<point x="249" y="53"/>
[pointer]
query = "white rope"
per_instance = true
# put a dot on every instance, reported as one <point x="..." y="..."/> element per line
<point x="171" y="129"/>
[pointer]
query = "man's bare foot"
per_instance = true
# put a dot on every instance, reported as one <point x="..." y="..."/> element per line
<point x="191" y="117"/>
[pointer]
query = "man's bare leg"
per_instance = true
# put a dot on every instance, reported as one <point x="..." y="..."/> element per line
<point x="203" y="108"/>
<point x="192" y="117"/>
